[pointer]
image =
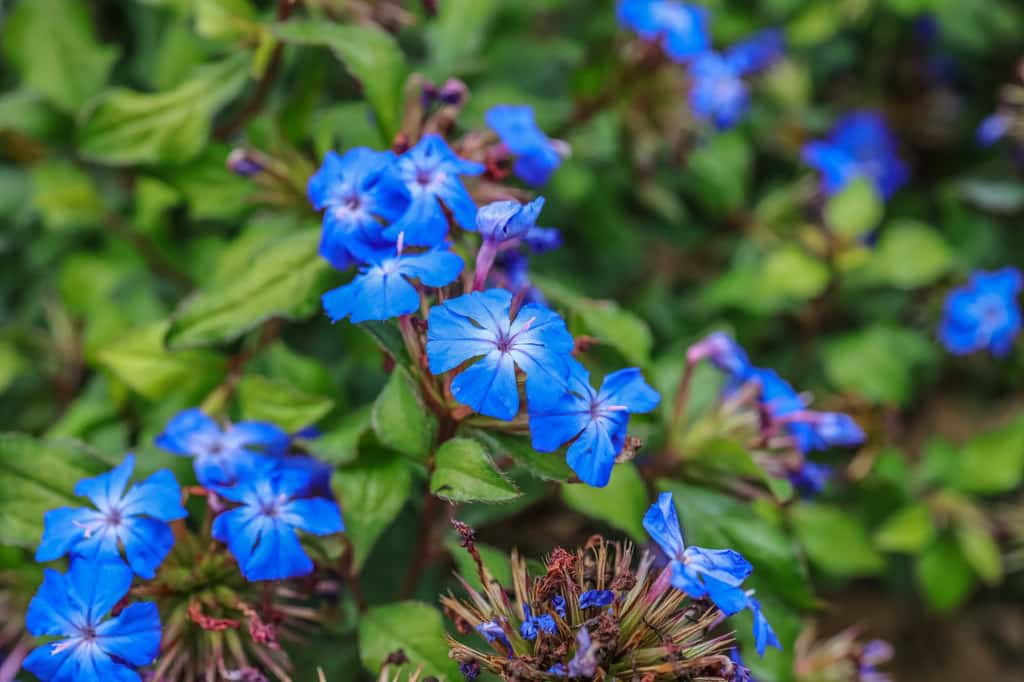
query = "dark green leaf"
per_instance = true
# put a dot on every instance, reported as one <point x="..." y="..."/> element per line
<point x="464" y="473"/>
<point x="415" y="628"/>
<point x="545" y="465"/>
<point x="339" y="444"/>
<point x="400" y="419"/>
<point x="944" y="575"/>
<point x="622" y="503"/>
<point x="835" y="541"/>
<point x="371" y="492"/>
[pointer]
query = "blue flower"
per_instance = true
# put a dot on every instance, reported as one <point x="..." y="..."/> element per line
<point x="740" y="671"/>
<point x="357" y="196"/>
<point x="757" y="52"/>
<point x="260" y="533"/>
<point x="136" y="520"/>
<point x="536" y="155"/>
<point x="983" y="314"/>
<point x="493" y="632"/>
<point x="558" y="604"/>
<point x="764" y="636"/>
<point x="470" y="670"/>
<point x="219" y="453"/>
<point x="480" y="326"/>
<point x="713" y="573"/>
<point x="859" y="146"/>
<point x="596" y="598"/>
<point x="682" y="28"/>
<point x="512" y="272"/>
<point x="430" y="173"/>
<point x="557" y="669"/>
<point x="543" y="239"/>
<point x="811" y="478"/>
<point x="595" y="421"/>
<point x="532" y="625"/>
<point x="584" y="662"/>
<point x="384" y="290"/>
<point x="73" y="606"/>
<point x="718" y="93"/>
<point x="994" y="128"/>
<point x="723" y="352"/>
<point x="500" y="221"/>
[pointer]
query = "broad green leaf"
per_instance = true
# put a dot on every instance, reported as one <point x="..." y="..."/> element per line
<point x="544" y="465"/>
<point x="944" y="575"/>
<point x="65" y="195"/>
<point x="35" y="477"/>
<point x="267" y="400"/>
<point x="622" y="503"/>
<point x="495" y="560"/>
<point x="880" y="362"/>
<point x="415" y="628"/>
<point x="371" y="492"/>
<point x="992" y="462"/>
<point x="53" y="44"/>
<point x="339" y="444"/>
<point x="125" y="127"/>
<point x="226" y="19"/>
<point x="835" y="541"/>
<point x="29" y="114"/>
<point x="981" y="551"/>
<point x="210" y="189"/>
<point x="785" y="277"/>
<point x="141" y="361"/>
<point x="718" y="173"/>
<point x="285" y="280"/>
<point x="457" y="34"/>
<point x="464" y="473"/>
<point x="854" y="211"/>
<point x="909" y="255"/>
<point x="400" y="419"/>
<point x="910" y="530"/>
<point x="388" y="338"/>
<point x="370" y="55"/>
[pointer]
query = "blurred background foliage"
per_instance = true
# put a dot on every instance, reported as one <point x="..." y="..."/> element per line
<point x="142" y="276"/>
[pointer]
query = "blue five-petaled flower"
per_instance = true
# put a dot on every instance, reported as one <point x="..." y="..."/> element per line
<point x="220" y="453"/>
<point x="719" y="94"/>
<point x="859" y="146"/>
<point x="682" y="28"/>
<point x="533" y="625"/>
<point x="136" y="520"/>
<point x="385" y="290"/>
<point x="73" y="606"/>
<point x="358" y="198"/>
<point x="261" y="531"/>
<point x="480" y="327"/>
<point x="984" y="313"/>
<point x="431" y="174"/>
<point x="537" y="156"/>
<point x="595" y="421"/>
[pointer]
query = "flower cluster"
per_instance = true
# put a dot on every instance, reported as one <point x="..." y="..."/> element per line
<point x="984" y="314"/>
<point x="593" y="615"/>
<point x="718" y="91"/>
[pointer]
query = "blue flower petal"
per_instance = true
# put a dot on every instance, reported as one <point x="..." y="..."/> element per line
<point x="50" y="611"/>
<point x="62" y="530"/>
<point x="159" y="497"/>
<point x="724" y="565"/>
<point x="596" y="598"/>
<point x="147" y="542"/>
<point x="489" y="386"/>
<point x="730" y="599"/>
<point x="627" y="388"/>
<point x="134" y="635"/>
<point x="662" y="523"/>
<point x="318" y="516"/>
<point x="764" y="636"/>
<point x="278" y="555"/>
<point x="592" y="455"/>
<point x="757" y="52"/>
<point x="106" y="489"/>
<point x="188" y="433"/>
<point x="94" y="588"/>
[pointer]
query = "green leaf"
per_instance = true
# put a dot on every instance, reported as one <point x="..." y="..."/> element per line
<point x="371" y="492"/>
<point x="263" y="399"/>
<point x="981" y="550"/>
<point x="835" y="541"/>
<point x="495" y="560"/>
<point x="910" y="254"/>
<point x="415" y="628"/>
<point x="855" y="210"/>
<point x="785" y="277"/>
<point x="944" y="575"/>
<point x="339" y="444"/>
<point x="53" y="45"/>
<point x="65" y="196"/>
<point x="400" y="419"/>
<point x="37" y="476"/>
<point x="141" y="361"/>
<point x="226" y="20"/>
<point x="125" y="127"/>
<point x="992" y="462"/>
<point x="622" y="503"/>
<point x="544" y="465"/>
<point x="388" y="338"/>
<point x="457" y="34"/>
<point x="370" y="55"/>
<point x="285" y="279"/>
<point x="718" y="173"/>
<point x="909" y="530"/>
<point x="464" y="473"/>
<point x="210" y="189"/>
<point x="879" y="362"/>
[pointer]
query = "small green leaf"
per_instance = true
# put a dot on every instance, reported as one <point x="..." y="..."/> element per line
<point x="544" y="465"/>
<point x="65" y="196"/>
<point x="992" y="462"/>
<point x="909" y="255"/>
<point x="835" y="541"/>
<point x="718" y="173"/>
<point x="400" y="419"/>
<point x="909" y="530"/>
<point x="125" y="127"/>
<point x="35" y="477"/>
<point x="371" y="492"/>
<point x="622" y="503"/>
<point x="226" y="20"/>
<point x="981" y="551"/>
<point x="285" y="279"/>
<point x="53" y="44"/>
<point x="267" y="400"/>
<point x="370" y="55"/>
<point x="339" y="444"/>
<point x="457" y="34"/>
<point x="879" y="362"/>
<point x="388" y="338"/>
<point x="415" y="628"/>
<point x="464" y="473"/>
<point x="495" y="560"/>
<point x="945" y="576"/>
<point x="855" y="210"/>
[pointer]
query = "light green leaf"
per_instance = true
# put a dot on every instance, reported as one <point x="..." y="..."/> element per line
<point x="835" y="541"/>
<point x="141" y="361"/>
<point x="981" y="551"/>
<point x="400" y="419"/>
<point x="266" y="400"/>
<point x="910" y="254"/>
<point x="285" y="279"/>
<point x="464" y="473"/>
<point x="879" y="362"/>
<point x="339" y="444"/>
<point x="35" y="477"/>
<point x="855" y="210"/>
<point x="622" y="503"/>
<point x="415" y="628"/>
<point x="718" y="173"/>
<point x="910" y="530"/>
<point x="992" y="462"/>
<point x="495" y="560"/>
<point x="126" y="127"/>
<point x="65" y="195"/>
<point x="210" y="189"/>
<point x="944" y="575"/>
<point x="226" y="19"/>
<point x="53" y="44"/>
<point x="370" y="55"/>
<point x="544" y="465"/>
<point x="371" y="493"/>
<point x="457" y="34"/>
